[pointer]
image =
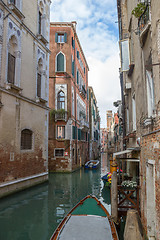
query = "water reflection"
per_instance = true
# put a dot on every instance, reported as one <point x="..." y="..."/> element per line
<point x="35" y="213"/>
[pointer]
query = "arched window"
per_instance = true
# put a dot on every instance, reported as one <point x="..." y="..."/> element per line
<point x="26" y="139"/>
<point x="39" y="77"/>
<point x="12" y="53"/>
<point x="60" y="62"/>
<point x="61" y="100"/>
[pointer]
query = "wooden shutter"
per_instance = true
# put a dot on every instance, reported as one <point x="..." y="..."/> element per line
<point x="73" y="68"/>
<point x="11" y="68"/>
<point x="65" y="37"/>
<point x="60" y="62"/>
<point x="77" y="77"/>
<point x="38" y="85"/>
<point x="56" y="37"/>
<point x="78" y="54"/>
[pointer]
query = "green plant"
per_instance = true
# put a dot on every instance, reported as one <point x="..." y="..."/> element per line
<point x="129" y="184"/>
<point x="139" y="10"/>
<point x="58" y="111"/>
<point x="52" y="113"/>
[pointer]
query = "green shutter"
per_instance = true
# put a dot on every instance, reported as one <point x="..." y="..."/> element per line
<point x="65" y="37"/>
<point x="79" y="134"/>
<point x="73" y="43"/>
<point x="60" y="62"/>
<point x="56" y="37"/>
<point x="87" y="94"/>
<point x="78" y="54"/>
<point x="77" y="77"/>
<point x="73" y="132"/>
<point x="73" y="68"/>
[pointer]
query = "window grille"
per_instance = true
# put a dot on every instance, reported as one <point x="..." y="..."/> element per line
<point x="59" y="152"/>
<point x="26" y="139"/>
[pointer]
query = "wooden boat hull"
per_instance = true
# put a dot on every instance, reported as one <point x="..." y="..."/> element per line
<point x="92" y="164"/>
<point x="88" y="220"/>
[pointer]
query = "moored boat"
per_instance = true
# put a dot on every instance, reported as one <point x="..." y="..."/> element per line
<point x="92" y="164"/>
<point x="88" y="220"/>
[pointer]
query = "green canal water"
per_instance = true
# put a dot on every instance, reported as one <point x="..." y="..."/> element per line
<point x="34" y="214"/>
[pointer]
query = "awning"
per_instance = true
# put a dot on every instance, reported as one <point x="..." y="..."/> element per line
<point x="129" y="159"/>
<point x="122" y="152"/>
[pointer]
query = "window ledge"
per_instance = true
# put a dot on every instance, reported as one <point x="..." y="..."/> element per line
<point x="27" y="150"/>
<point x="42" y="38"/>
<point x="12" y="87"/>
<point x="60" y="139"/>
<point x="13" y="7"/>
<point x="41" y="100"/>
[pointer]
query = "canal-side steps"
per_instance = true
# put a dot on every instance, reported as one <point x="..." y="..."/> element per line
<point x="88" y="220"/>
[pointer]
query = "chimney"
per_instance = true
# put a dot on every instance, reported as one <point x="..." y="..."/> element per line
<point x="74" y="24"/>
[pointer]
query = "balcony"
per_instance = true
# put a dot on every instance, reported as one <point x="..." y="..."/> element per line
<point x="144" y="25"/>
<point x="60" y="116"/>
<point x="84" y="124"/>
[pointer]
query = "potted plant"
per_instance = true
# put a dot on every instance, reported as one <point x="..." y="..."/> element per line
<point x="129" y="184"/>
<point x="139" y="10"/>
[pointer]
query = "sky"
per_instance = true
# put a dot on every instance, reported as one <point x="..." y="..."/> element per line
<point x="97" y="30"/>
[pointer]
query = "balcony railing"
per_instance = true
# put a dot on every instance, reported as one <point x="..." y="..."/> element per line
<point x="144" y="19"/>
<point x="84" y="123"/>
<point x="61" y="116"/>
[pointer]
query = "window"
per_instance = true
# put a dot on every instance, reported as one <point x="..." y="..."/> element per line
<point x="61" y="37"/>
<point x="61" y="100"/>
<point x="77" y="77"/>
<point x="60" y="132"/>
<point x="59" y="152"/>
<point x="134" y="113"/>
<point x="150" y="93"/>
<point x="11" y="68"/>
<point x="38" y="85"/>
<point x="39" y="78"/>
<point x="73" y="66"/>
<point x="73" y="43"/>
<point x="39" y="22"/>
<point x="72" y="101"/>
<point x="60" y="62"/>
<point x="26" y="139"/>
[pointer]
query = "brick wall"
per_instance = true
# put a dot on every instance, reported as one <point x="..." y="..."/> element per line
<point x="150" y="151"/>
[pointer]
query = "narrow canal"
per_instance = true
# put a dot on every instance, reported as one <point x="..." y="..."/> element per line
<point x="34" y="214"/>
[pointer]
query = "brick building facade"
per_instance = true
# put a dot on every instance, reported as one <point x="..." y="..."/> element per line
<point x="68" y="100"/>
<point x="24" y="74"/>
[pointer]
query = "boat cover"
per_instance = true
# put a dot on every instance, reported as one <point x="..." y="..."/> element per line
<point x="87" y="227"/>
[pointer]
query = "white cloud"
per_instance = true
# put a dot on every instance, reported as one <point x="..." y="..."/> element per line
<point x="98" y="35"/>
